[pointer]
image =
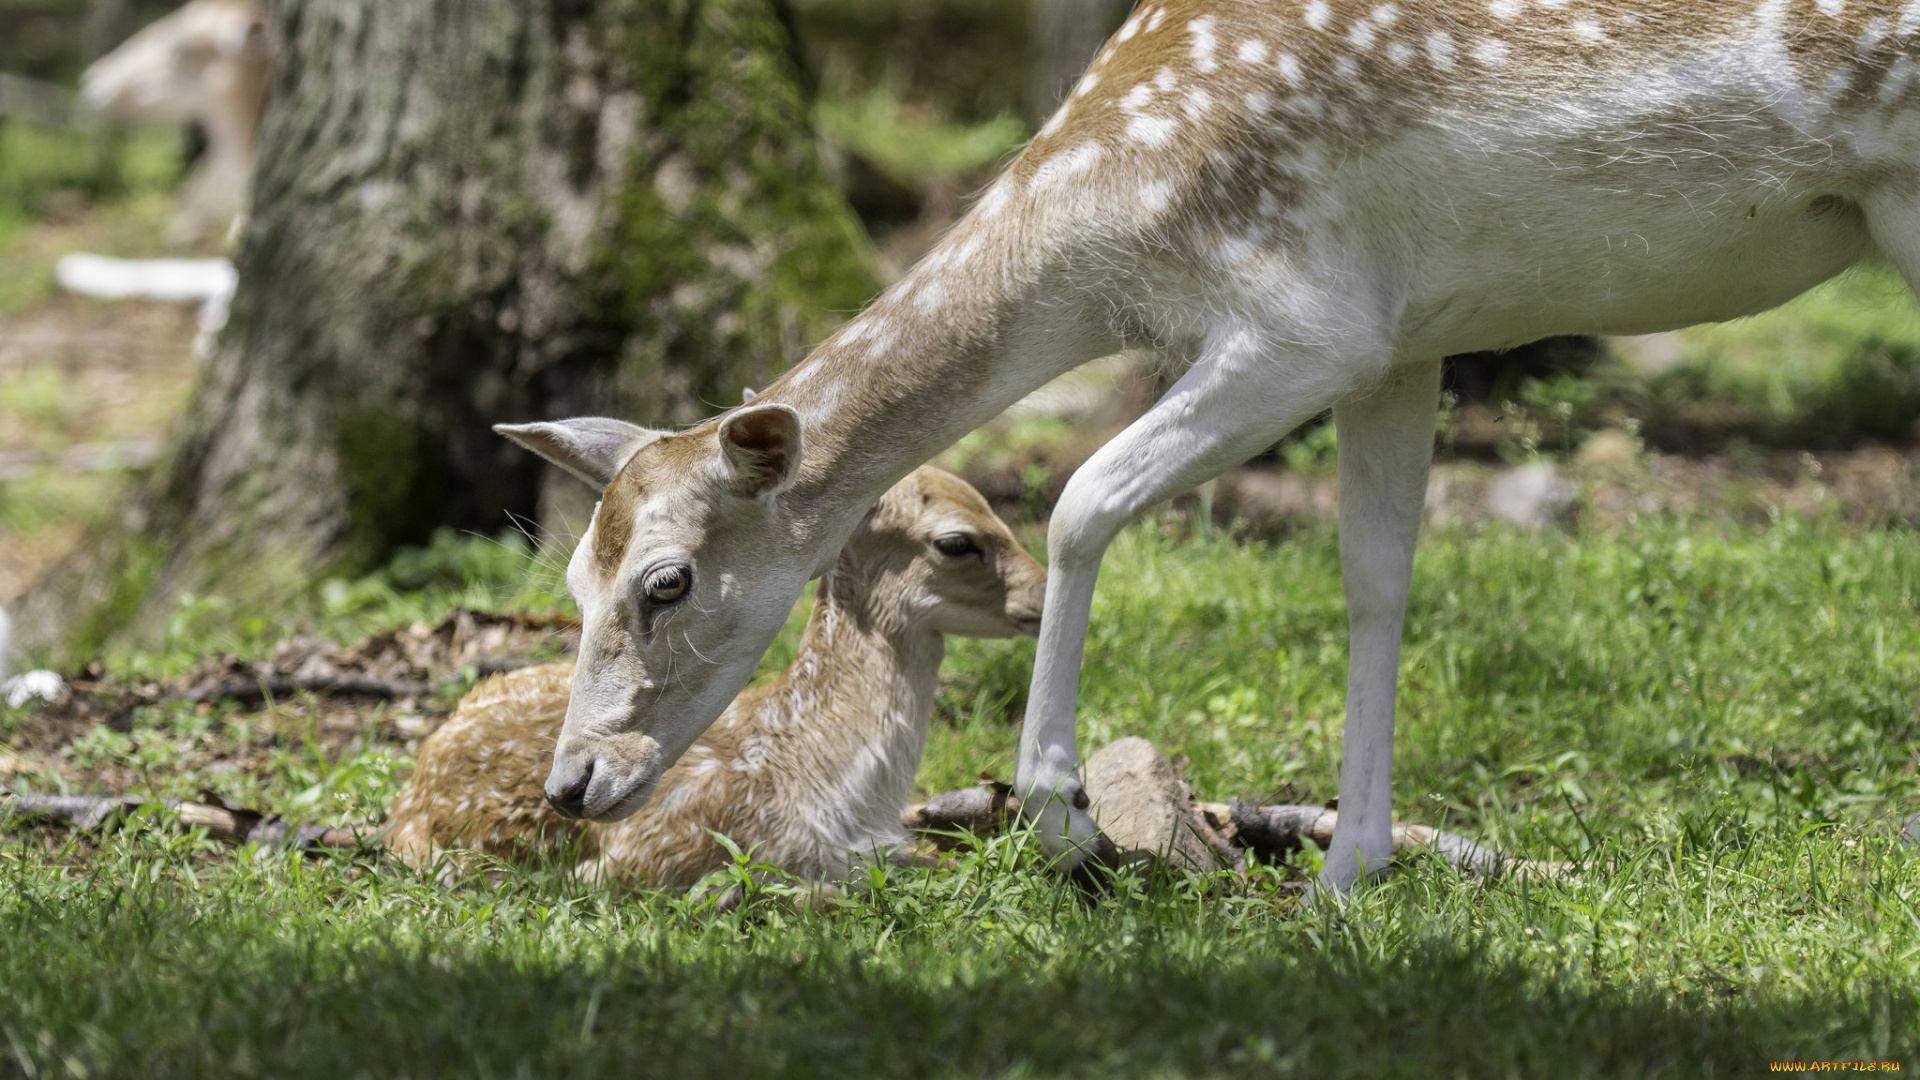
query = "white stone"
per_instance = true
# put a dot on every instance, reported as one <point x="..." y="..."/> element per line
<point x="1530" y="495"/>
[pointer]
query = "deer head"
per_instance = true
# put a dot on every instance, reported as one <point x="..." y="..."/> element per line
<point x="683" y="577"/>
<point x="205" y="62"/>
<point x="945" y="561"/>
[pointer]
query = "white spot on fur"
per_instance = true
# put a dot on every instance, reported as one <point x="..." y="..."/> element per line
<point x="1553" y="4"/>
<point x="1086" y="85"/>
<point x="1318" y="14"/>
<point x="1133" y="27"/>
<point x="1165" y="79"/>
<point x="1361" y="34"/>
<point x="1505" y="9"/>
<point x="1197" y="104"/>
<point x="1831" y="7"/>
<point x="1152" y="130"/>
<point x="1154" y="22"/>
<point x="1306" y="105"/>
<point x="1137" y="98"/>
<point x="1489" y="52"/>
<point x="929" y="295"/>
<point x="1347" y="68"/>
<point x="1251" y="51"/>
<point x="995" y="200"/>
<point x="1588" y="30"/>
<point x="1067" y="165"/>
<point x="1872" y="33"/>
<point x="1201" y="30"/>
<point x="1909" y="20"/>
<point x="1289" y="68"/>
<point x="1440" y="50"/>
<point x="1155" y="195"/>
<point x="1386" y="14"/>
<point x="1235" y="250"/>
<point x="1059" y="117"/>
<point x="1895" y="83"/>
<point x="1259" y="101"/>
<point x="1400" y="53"/>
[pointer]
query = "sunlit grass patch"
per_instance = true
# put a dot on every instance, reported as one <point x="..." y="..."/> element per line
<point x="1715" y="724"/>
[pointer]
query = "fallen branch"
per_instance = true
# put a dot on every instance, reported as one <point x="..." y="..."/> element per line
<point x="282" y="686"/>
<point x="1276" y="830"/>
<point x="980" y="809"/>
<point x="1268" y="830"/>
<point x="222" y="821"/>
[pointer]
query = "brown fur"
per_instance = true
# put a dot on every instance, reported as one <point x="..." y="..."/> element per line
<point x="782" y="770"/>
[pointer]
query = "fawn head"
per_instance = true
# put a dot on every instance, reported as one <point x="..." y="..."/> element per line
<point x="683" y="578"/>
<point x="194" y="64"/>
<point x="934" y="557"/>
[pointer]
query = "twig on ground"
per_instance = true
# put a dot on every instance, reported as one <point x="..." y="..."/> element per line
<point x="1280" y="829"/>
<point x="1268" y="830"/>
<point x="222" y="821"/>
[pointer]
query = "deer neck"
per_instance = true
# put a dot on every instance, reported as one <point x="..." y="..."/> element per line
<point x="859" y="695"/>
<point x="973" y="328"/>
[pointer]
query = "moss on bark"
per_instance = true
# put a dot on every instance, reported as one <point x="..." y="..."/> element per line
<point x="470" y="211"/>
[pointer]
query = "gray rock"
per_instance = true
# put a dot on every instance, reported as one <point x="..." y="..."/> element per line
<point x="1147" y="810"/>
<point x="1530" y="495"/>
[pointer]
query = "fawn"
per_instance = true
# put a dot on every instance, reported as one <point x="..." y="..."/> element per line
<point x="811" y="770"/>
<point x="1307" y="203"/>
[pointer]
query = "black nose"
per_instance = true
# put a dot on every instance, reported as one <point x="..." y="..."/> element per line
<point x="570" y="798"/>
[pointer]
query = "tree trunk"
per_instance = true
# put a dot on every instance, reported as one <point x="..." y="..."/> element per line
<point x="1066" y="34"/>
<point x="469" y="211"/>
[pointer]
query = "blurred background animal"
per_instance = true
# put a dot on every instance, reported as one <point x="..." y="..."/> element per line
<point x="205" y="64"/>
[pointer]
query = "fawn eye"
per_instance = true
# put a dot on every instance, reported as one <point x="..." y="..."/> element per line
<point x="668" y="584"/>
<point x="954" y="545"/>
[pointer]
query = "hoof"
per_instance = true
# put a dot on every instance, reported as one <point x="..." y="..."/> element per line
<point x="1092" y="866"/>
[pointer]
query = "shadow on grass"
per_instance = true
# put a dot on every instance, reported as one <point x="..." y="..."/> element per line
<point x="168" y="997"/>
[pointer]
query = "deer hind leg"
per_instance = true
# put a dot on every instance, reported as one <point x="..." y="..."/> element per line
<point x="1386" y="450"/>
<point x="1893" y="220"/>
<point x="1240" y="396"/>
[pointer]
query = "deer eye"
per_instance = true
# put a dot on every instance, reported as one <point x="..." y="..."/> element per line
<point x="668" y="584"/>
<point x="955" y="545"/>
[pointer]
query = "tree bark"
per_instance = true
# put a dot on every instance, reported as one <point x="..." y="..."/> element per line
<point x="1066" y="35"/>
<point x="470" y="211"/>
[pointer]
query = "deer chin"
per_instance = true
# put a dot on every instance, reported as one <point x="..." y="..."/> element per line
<point x="621" y="772"/>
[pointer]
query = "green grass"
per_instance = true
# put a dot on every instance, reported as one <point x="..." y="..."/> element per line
<point x="1718" y="724"/>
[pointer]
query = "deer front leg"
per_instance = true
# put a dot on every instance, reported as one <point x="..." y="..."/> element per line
<point x="1240" y="397"/>
<point x="1386" y="451"/>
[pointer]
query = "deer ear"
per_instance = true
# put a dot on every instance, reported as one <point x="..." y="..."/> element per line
<point x="762" y="447"/>
<point x="592" y="448"/>
<point x="244" y="39"/>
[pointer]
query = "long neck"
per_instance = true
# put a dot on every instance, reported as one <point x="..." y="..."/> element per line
<point x="855" y="704"/>
<point x="971" y="329"/>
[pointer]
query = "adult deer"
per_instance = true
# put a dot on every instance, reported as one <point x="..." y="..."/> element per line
<point x="208" y="62"/>
<point x="1313" y="202"/>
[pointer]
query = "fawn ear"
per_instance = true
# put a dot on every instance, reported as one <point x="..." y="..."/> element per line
<point x="592" y="448"/>
<point x="762" y="447"/>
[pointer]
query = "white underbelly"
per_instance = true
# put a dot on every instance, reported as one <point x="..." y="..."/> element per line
<point x="1624" y="267"/>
